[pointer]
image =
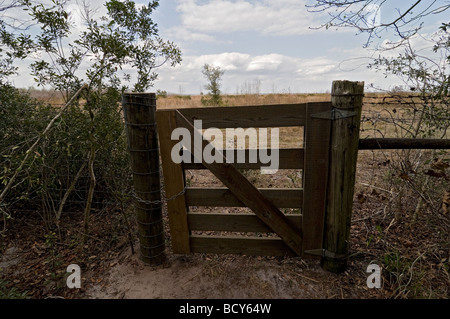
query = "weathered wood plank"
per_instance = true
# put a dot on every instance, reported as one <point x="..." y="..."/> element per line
<point x="234" y="222"/>
<point x="291" y="158"/>
<point x="252" y="246"/>
<point x="173" y="184"/>
<point x="282" y="115"/>
<point x="402" y="143"/>
<point x="246" y="192"/>
<point x="223" y="197"/>
<point x="317" y="137"/>
<point x="345" y="95"/>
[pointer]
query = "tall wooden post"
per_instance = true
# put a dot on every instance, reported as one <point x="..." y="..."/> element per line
<point x="140" y="119"/>
<point x="346" y="98"/>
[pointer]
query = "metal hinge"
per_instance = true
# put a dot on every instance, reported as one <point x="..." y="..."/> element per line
<point x="325" y="254"/>
<point x="334" y="114"/>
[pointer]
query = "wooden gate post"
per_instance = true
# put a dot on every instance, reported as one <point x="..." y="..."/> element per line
<point x="140" y="120"/>
<point x="346" y="98"/>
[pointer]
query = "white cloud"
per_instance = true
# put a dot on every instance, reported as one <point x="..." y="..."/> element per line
<point x="316" y="66"/>
<point x="272" y="70"/>
<point x="265" y="62"/>
<point x="179" y="32"/>
<point x="75" y="16"/>
<point x="286" y="17"/>
<point x="227" y="61"/>
<point x="272" y="73"/>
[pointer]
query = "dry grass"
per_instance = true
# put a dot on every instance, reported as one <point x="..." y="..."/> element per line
<point x="48" y="96"/>
<point x="182" y="101"/>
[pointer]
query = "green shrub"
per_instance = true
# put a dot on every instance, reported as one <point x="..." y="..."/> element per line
<point x="60" y="155"/>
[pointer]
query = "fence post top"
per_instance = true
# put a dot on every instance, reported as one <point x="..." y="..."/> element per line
<point x="347" y="88"/>
<point x="139" y="93"/>
<point x="347" y="94"/>
<point x="127" y="96"/>
<point x="347" y="83"/>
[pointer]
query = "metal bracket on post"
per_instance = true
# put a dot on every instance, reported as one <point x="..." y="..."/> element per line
<point x="325" y="254"/>
<point x="334" y="114"/>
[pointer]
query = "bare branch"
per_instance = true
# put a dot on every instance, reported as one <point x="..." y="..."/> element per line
<point x="359" y="14"/>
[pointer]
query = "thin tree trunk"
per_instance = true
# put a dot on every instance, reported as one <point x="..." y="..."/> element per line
<point x="66" y="195"/>
<point x="87" y="210"/>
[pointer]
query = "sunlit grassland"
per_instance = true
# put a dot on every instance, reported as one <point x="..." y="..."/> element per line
<point x="380" y="116"/>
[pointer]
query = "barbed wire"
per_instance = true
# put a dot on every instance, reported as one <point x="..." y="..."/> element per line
<point x="81" y="189"/>
<point x="163" y="200"/>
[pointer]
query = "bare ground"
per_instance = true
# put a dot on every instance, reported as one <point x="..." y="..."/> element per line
<point x="31" y="265"/>
<point x="412" y="249"/>
<point x="225" y="277"/>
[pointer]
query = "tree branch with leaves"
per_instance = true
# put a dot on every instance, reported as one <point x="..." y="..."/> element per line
<point x="213" y="74"/>
<point x="113" y="53"/>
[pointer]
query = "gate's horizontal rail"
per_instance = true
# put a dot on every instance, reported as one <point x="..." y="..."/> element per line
<point x="252" y="246"/>
<point x="282" y="115"/>
<point x="402" y="143"/>
<point x="289" y="158"/>
<point x="234" y="222"/>
<point x="223" y="197"/>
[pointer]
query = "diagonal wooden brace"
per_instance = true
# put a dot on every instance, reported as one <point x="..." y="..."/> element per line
<point x="246" y="192"/>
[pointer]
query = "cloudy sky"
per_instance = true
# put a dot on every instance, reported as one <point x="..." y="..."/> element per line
<point x="262" y="45"/>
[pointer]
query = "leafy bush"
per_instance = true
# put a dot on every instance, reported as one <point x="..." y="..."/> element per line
<point x="60" y="158"/>
<point x="82" y="161"/>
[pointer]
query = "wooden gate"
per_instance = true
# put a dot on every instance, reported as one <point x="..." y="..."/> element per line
<point x="296" y="233"/>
